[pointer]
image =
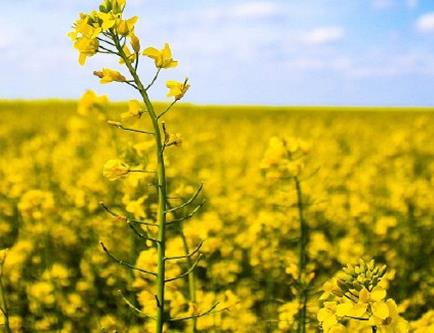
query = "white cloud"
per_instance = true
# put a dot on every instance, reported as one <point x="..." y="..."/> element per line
<point x="8" y="34"/>
<point x="255" y="9"/>
<point x="325" y="62"/>
<point x="369" y="65"/>
<point x="425" y="23"/>
<point x="5" y="41"/>
<point x="248" y="10"/>
<point x="412" y="3"/>
<point x="382" y="4"/>
<point x="323" y="35"/>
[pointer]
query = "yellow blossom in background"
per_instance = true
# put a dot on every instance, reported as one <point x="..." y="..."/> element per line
<point x="284" y="157"/>
<point x="115" y="169"/>
<point x="134" y="113"/>
<point x="91" y="102"/>
<point x="287" y="315"/>
<point x="177" y="89"/>
<point x="424" y="324"/>
<point x="3" y="255"/>
<point x="36" y="204"/>
<point x="163" y="58"/>
<point x="16" y="323"/>
<point x="384" y="224"/>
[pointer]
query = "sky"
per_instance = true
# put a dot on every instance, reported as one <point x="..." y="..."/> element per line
<point x="276" y="52"/>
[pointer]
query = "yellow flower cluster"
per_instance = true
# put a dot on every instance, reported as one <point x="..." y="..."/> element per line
<point x="357" y="293"/>
<point x="284" y="157"/>
<point x="100" y="31"/>
<point x="89" y="27"/>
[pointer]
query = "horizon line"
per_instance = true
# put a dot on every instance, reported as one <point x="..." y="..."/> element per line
<point x="227" y="105"/>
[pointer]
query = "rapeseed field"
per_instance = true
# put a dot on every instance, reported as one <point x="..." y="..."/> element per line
<point x="367" y="182"/>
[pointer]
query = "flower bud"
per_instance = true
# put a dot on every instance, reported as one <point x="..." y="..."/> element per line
<point x="135" y="42"/>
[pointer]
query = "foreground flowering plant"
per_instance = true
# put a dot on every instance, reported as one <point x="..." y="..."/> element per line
<point x="358" y="293"/>
<point x="284" y="160"/>
<point x="106" y="31"/>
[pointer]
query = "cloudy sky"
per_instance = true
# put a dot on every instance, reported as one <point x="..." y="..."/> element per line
<point x="281" y="52"/>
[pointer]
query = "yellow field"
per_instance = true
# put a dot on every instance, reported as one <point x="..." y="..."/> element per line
<point x="368" y="192"/>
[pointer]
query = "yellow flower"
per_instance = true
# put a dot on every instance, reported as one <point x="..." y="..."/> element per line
<point x="125" y="27"/>
<point x="392" y="323"/>
<point x="349" y="309"/>
<point x="177" y="89"/>
<point x="108" y="20"/>
<point x="115" y="169"/>
<point x="108" y="75"/>
<point x="163" y="58"/>
<point x="133" y="114"/>
<point x="375" y="299"/>
<point x="86" y="48"/>
<point x="377" y="294"/>
<point x="84" y="37"/>
<point x="338" y="328"/>
<point x="84" y="27"/>
<point x="326" y="316"/>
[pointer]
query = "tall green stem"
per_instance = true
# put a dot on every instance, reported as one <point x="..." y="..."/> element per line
<point x="5" y="308"/>
<point x="302" y="262"/>
<point x="191" y="278"/>
<point x="161" y="188"/>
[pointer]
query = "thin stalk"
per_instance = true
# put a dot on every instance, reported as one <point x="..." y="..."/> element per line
<point x="270" y="297"/>
<point x="302" y="262"/>
<point x="191" y="279"/>
<point x="161" y="188"/>
<point x="153" y="80"/>
<point x="167" y="110"/>
<point x="4" y="306"/>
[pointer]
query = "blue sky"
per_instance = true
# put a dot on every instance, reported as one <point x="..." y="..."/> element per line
<point x="279" y="52"/>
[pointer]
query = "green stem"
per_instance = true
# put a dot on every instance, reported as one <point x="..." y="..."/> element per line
<point x="4" y="304"/>
<point x="191" y="278"/>
<point x="153" y="79"/>
<point x="302" y="263"/>
<point x="161" y="188"/>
